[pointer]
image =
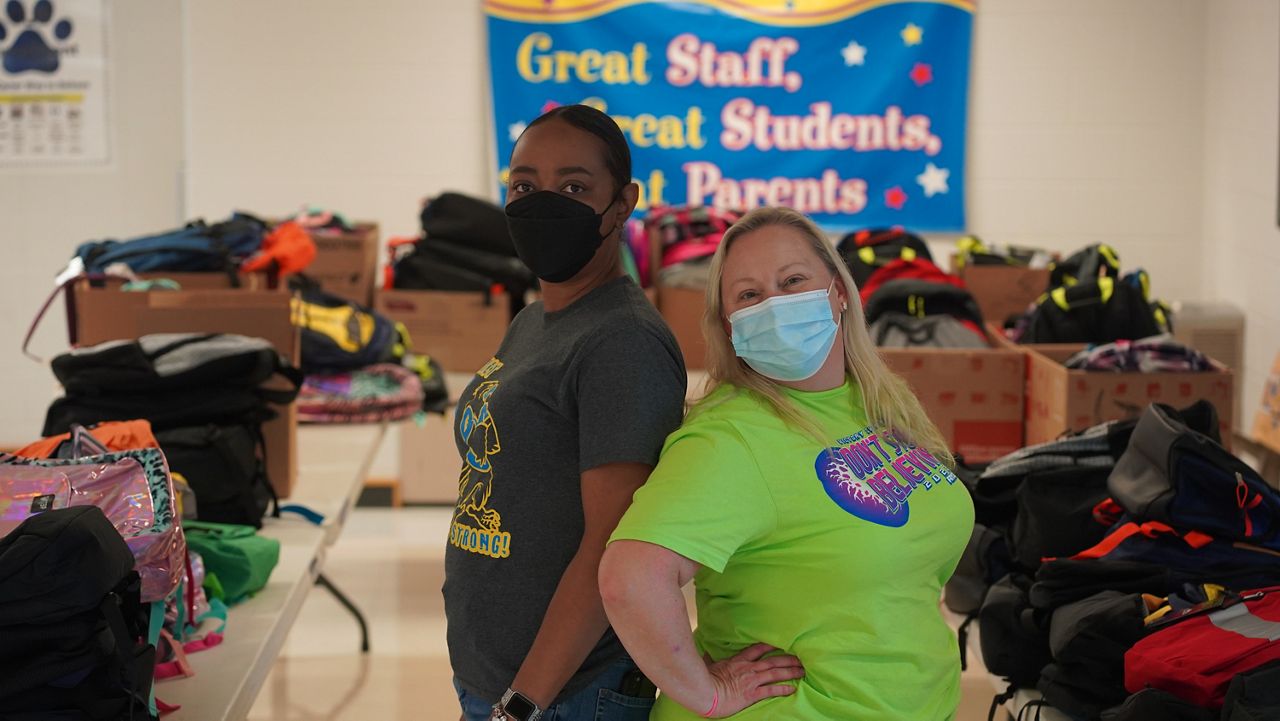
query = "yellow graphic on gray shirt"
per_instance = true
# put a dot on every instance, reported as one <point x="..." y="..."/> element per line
<point x="477" y="527"/>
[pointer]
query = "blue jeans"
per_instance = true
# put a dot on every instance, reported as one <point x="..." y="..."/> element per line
<point x="599" y="701"/>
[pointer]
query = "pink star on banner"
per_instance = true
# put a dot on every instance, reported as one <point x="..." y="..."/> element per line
<point x="922" y="74"/>
<point x="549" y="106"/>
<point x="895" y="198"/>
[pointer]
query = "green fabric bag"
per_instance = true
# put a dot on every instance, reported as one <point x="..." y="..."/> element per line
<point x="241" y="559"/>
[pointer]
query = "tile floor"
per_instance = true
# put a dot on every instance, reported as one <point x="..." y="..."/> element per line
<point x="391" y="563"/>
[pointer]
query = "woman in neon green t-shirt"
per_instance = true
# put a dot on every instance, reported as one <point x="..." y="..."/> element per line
<point x="809" y="498"/>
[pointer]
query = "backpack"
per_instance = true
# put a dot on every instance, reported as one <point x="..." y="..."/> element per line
<point x="171" y="361"/>
<point x="1196" y="657"/>
<point x="921" y="298"/>
<point x="865" y="251"/>
<point x="384" y="392"/>
<point x="689" y="233"/>
<point x="1014" y="636"/>
<point x="339" y="335"/>
<point x="225" y="467"/>
<point x="917" y="269"/>
<point x="1088" y="640"/>
<point x="437" y="267"/>
<point x="1096" y="311"/>
<point x="1254" y="695"/>
<point x="1179" y="476"/>
<point x="133" y="490"/>
<point x="472" y="222"/>
<point x="1064" y="581"/>
<point x="193" y="248"/>
<point x="104" y="438"/>
<point x="995" y="493"/>
<point x="1085" y="265"/>
<point x="985" y="560"/>
<point x="1193" y="555"/>
<point x="1150" y="704"/>
<point x="899" y="330"/>
<point x="1056" y="513"/>
<point x="70" y="617"/>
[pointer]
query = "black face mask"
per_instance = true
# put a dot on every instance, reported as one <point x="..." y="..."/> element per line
<point x="555" y="235"/>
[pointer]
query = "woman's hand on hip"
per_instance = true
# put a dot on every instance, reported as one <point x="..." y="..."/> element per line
<point x="750" y="677"/>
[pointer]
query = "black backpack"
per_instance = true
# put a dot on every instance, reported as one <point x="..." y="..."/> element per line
<point x="1014" y="636"/>
<point x="1056" y="514"/>
<point x="72" y="624"/>
<point x="985" y="560"/>
<point x="922" y="298"/>
<point x="225" y="468"/>
<point x="1085" y="265"/>
<point x="338" y="335"/>
<point x="471" y="222"/>
<point x="866" y="251"/>
<point x="1254" y="696"/>
<point x="1099" y="311"/>
<point x="1088" y="640"/>
<point x="1152" y="704"/>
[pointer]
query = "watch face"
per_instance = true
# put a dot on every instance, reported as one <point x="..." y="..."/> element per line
<point x="519" y="707"/>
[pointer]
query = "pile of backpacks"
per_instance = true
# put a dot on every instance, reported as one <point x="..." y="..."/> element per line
<point x="464" y="247"/>
<point x="687" y="237"/>
<point x="1089" y="300"/>
<point x="910" y="302"/>
<point x="1129" y="571"/>
<point x="109" y="581"/>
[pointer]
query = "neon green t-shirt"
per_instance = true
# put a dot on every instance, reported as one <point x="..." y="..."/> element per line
<point x="835" y="555"/>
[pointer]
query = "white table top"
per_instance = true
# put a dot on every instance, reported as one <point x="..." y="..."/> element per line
<point x="229" y="676"/>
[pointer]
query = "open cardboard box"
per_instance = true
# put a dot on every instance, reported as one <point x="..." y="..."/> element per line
<point x="1061" y="400"/>
<point x="105" y="314"/>
<point x="681" y="308"/>
<point x="975" y="397"/>
<point x="1266" y="423"/>
<point x="461" y="331"/>
<point x="346" y="263"/>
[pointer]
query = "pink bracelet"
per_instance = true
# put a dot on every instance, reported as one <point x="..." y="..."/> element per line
<point x="715" y="701"/>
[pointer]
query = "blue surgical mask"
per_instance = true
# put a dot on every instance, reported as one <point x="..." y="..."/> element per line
<point x="786" y="337"/>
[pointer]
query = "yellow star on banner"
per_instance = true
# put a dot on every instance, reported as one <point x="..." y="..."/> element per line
<point x="912" y="34"/>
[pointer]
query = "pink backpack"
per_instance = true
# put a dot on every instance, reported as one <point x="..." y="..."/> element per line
<point x="133" y="488"/>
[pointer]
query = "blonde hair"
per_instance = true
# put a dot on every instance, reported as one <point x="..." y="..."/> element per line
<point x="888" y="400"/>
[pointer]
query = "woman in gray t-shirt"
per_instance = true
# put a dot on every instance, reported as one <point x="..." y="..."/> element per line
<point x="556" y="432"/>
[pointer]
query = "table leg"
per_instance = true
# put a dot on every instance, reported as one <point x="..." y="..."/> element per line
<point x="323" y="581"/>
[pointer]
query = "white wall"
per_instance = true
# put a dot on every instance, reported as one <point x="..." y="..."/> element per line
<point x="1086" y="126"/>
<point x="47" y="212"/>
<point x="1087" y="123"/>
<point x="1241" y="240"/>
<point x="308" y="103"/>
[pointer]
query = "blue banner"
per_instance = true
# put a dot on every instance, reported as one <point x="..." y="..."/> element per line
<point x="852" y="111"/>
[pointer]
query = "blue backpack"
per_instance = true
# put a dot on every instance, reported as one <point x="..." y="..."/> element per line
<point x="197" y="247"/>
<point x="1176" y="475"/>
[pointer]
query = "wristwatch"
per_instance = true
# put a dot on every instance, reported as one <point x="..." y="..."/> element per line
<point x="517" y="707"/>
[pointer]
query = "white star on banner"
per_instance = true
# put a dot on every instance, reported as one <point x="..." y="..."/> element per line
<point x="854" y="54"/>
<point x="933" y="180"/>
<point x="515" y="129"/>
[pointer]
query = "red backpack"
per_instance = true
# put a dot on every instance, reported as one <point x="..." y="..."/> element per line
<point x="1196" y="658"/>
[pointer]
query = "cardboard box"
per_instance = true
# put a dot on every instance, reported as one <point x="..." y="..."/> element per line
<point x="105" y="314"/>
<point x="346" y="264"/>
<point x="682" y="308"/>
<point x="462" y="331"/>
<point x="1061" y="400"/>
<point x="975" y="397"/>
<point x="1002" y="291"/>
<point x="429" y="463"/>
<point x="1266" y="423"/>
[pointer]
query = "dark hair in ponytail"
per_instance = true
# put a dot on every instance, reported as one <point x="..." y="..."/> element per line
<point x="617" y="157"/>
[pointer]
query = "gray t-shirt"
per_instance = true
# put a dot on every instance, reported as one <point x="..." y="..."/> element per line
<point x="599" y="382"/>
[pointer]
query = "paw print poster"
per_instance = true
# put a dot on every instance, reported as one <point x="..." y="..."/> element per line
<point x="53" y="68"/>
